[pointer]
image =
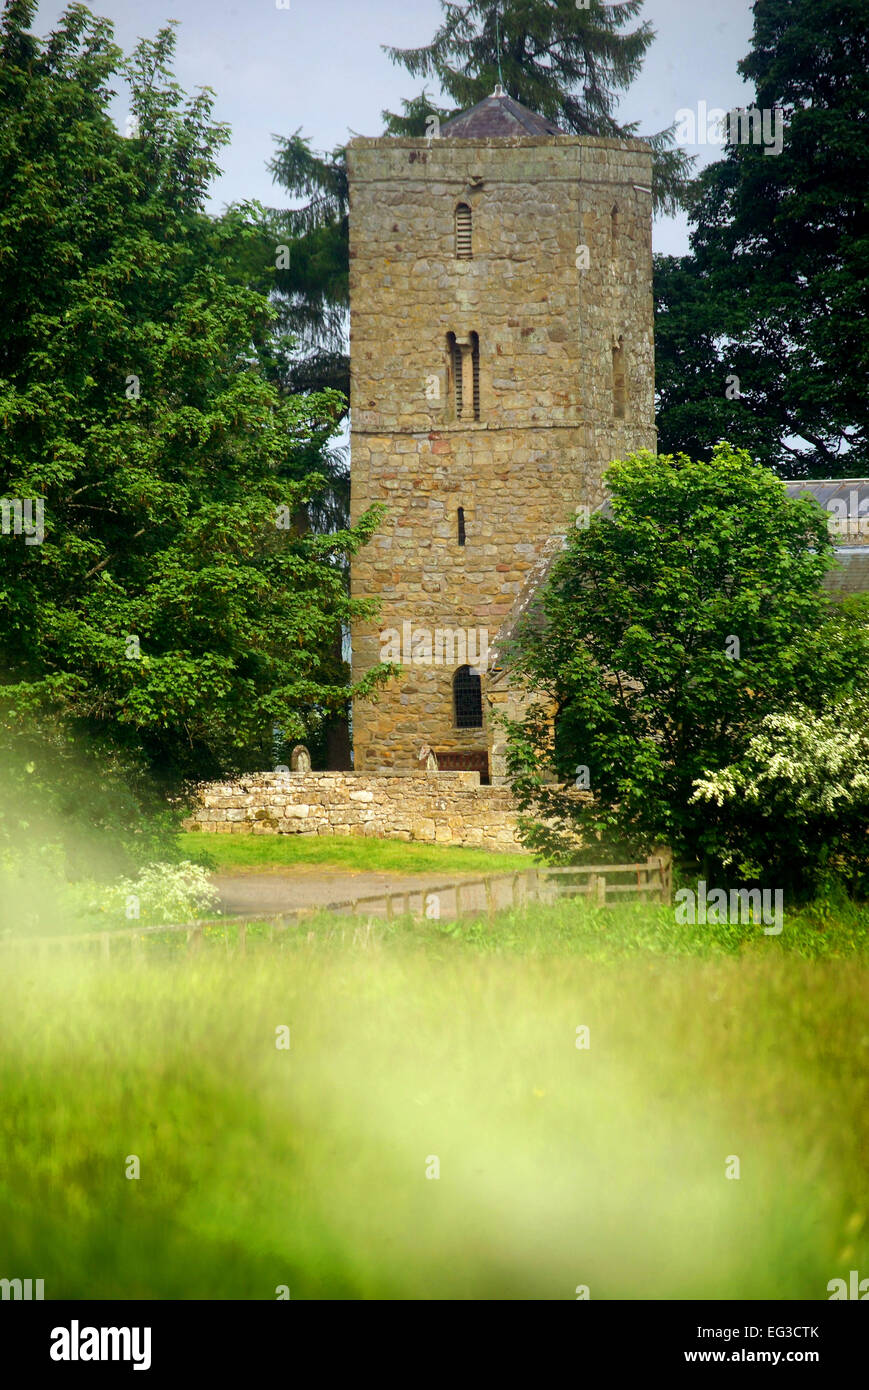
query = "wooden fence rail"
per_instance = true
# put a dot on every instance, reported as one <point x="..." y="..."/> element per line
<point x="650" y="881"/>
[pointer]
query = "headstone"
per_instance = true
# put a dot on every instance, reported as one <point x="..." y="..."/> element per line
<point x="428" y="757"/>
<point x="300" y="759"/>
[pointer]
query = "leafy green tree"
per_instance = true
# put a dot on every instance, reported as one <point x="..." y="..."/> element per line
<point x="773" y="297"/>
<point x="567" y="63"/>
<point x="312" y="280"/>
<point x="668" y="630"/>
<point x="705" y="390"/>
<point x="300" y="257"/>
<point x="178" y="606"/>
<point x="419" y="116"/>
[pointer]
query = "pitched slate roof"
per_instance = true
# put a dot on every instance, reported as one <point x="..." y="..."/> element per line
<point x="846" y="500"/>
<point x="497" y="115"/>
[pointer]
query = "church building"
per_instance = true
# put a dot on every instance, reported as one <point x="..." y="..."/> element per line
<point x="501" y="328"/>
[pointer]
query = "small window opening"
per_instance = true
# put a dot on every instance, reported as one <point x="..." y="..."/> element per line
<point x="619" y="390"/>
<point x="475" y="361"/>
<point x="454" y="358"/>
<point x="464" y="234"/>
<point x="461" y="525"/>
<point x="468" y="699"/>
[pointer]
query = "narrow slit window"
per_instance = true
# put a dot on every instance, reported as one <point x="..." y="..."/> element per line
<point x="468" y="699"/>
<point x="619" y="389"/>
<point x="454" y="361"/>
<point x="475" y="363"/>
<point x="461" y="525"/>
<point x="464" y="233"/>
<point x="476" y="371"/>
<point x="614" y="225"/>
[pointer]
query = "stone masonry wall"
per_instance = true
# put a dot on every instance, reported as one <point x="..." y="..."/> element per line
<point x="443" y="808"/>
<point x="548" y="423"/>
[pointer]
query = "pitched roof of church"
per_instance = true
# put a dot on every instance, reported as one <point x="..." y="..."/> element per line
<point x="497" y="115"/>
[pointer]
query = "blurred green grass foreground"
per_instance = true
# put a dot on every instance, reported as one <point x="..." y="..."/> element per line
<point x="436" y="1127"/>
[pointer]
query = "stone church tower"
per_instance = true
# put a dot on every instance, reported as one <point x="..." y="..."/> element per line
<point x="501" y="357"/>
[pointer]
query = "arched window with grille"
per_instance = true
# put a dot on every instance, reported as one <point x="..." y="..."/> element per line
<point x="463" y="376"/>
<point x="467" y="699"/>
<point x="464" y="233"/>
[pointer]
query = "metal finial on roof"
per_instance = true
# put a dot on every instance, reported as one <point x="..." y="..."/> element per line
<point x="499" y="90"/>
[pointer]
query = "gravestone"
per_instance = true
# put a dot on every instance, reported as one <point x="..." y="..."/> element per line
<point x="300" y="759"/>
<point x="427" y="756"/>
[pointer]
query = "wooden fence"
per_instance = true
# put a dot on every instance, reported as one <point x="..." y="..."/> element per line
<point x="491" y="893"/>
<point x="652" y="880"/>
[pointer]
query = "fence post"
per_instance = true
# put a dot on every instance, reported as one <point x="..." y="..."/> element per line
<point x="490" y="899"/>
<point x="665" y="860"/>
<point x="532" y="885"/>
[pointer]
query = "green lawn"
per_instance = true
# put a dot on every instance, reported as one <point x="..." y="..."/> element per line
<point x="275" y="852"/>
<point x="559" y="1166"/>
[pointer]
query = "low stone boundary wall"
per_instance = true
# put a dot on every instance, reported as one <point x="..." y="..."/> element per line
<point x="446" y="808"/>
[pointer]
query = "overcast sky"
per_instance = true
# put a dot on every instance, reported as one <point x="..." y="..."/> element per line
<point x="318" y="67"/>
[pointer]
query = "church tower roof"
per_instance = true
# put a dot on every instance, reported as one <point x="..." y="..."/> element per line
<point x="497" y="115"/>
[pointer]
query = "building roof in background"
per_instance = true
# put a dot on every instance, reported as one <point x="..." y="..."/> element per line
<point x="823" y="489"/>
<point x="497" y="115"/>
<point x="847" y="502"/>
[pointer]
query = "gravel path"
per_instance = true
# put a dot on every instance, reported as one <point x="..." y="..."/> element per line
<point x="314" y="886"/>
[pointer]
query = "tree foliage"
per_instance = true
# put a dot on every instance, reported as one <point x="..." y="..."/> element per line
<point x="177" y="608"/>
<point x="312" y="290"/>
<point x="774" y="293"/>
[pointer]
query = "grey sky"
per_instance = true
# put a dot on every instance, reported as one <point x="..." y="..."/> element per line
<point x="318" y="66"/>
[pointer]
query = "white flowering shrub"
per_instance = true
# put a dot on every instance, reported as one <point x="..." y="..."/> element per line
<point x="161" y="894"/>
<point x="796" y="804"/>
